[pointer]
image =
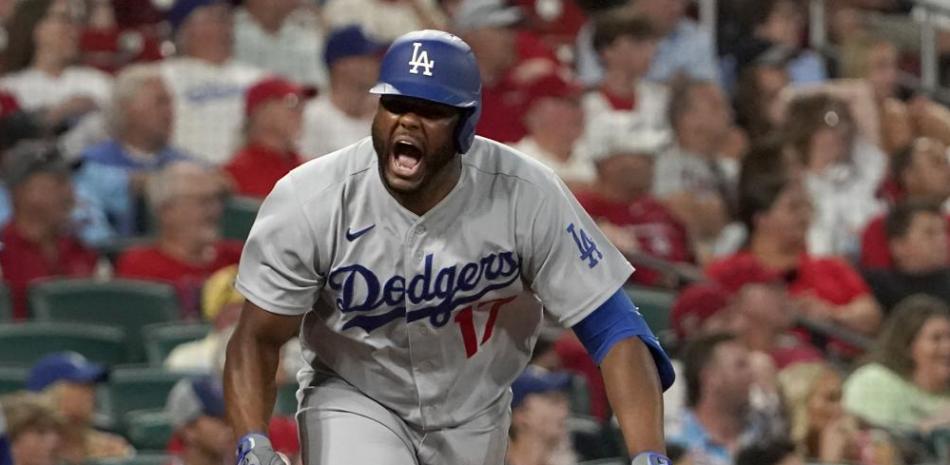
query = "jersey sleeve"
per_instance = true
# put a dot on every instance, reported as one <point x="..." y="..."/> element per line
<point x="279" y="265"/>
<point x="567" y="262"/>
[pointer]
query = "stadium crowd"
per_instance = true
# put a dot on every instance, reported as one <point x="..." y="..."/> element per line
<point x="788" y="207"/>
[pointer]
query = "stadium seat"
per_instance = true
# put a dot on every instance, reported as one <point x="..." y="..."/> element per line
<point x="160" y="339"/>
<point x="24" y="343"/>
<point x="139" y="388"/>
<point x="12" y="378"/>
<point x="655" y="305"/>
<point x="126" y="304"/>
<point x="6" y="307"/>
<point x="148" y="429"/>
<point x="286" y="399"/>
<point x="239" y="214"/>
<point x="137" y="459"/>
<point x="579" y="396"/>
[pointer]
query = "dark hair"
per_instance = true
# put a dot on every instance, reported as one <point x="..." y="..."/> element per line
<point x="757" y="12"/>
<point x="613" y="24"/>
<point x="900" y="218"/>
<point x="765" y="453"/>
<point x="902" y="327"/>
<point x="20" y="45"/>
<point x="762" y="178"/>
<point x="750" y="104"/>
<point x="696" y="357"/>
<point x="681" y="96"/>
<point x="809" y="114"/>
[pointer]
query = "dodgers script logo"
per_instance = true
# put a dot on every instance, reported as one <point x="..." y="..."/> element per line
<point x="420" y="59"/>
<point x="437" y="292"/>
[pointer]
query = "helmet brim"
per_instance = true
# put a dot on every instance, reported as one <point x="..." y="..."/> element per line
<point x="425" y="91"/>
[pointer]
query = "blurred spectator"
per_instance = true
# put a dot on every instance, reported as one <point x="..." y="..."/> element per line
<point x="779" y="452"/>
<point x="921" y="173"/>
<point x="186" y="200"/>
<point x="702" y="309"/>
<point x="692" y="178"/>
<point x="762" y="314"/>
<point x="555" y="122"/>
<point x="34" y="429"/>
<point x="70" y="382"/>
<point x="282" y="37"/>
<point x="385" y="19"/>
<point x="112" y="177"/>
<point x="776" y="210"/>
<point x="220" y="306"/>
<point x="906" y="384"/>
<point x="917" y="237"/>
<point x="273" y="109"/>
<point x="206" y="83"/>
<point x="195" y="408"/>
<point x="623" y="154"/>
<point x="38" y="241"/>
<point x="110" y="42"/>
<point x="625" y="44"/>
<point x="6" y="457"/>
<point x="761" y="71"/>
<point x="685" y="48"/>
<point x="820" y="428"/>
<point x="38" y="65"/>
<point x="782" y="23"/>
<point x="344" y="113"/>
<point x="539" y="412"/>
<point x="489" y="27"/>
<point x="719" y="377"/>
<point x="842" y="172"/>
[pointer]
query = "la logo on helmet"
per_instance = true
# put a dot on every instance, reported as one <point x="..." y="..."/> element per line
<point x="420" y="58"/>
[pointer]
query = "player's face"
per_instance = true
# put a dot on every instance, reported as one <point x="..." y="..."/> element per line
<point x="414" y="142"/>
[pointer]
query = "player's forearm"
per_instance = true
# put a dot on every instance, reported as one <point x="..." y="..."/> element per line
<point x="633" y="389"/>
<point x="249" y="382"/>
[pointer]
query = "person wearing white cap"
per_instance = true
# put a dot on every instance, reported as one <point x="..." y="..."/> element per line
<point x="623" y="150"/>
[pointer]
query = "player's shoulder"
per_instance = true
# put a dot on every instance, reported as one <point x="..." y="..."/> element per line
<point x="492" y="159"/>
<point x="331" y="172"/>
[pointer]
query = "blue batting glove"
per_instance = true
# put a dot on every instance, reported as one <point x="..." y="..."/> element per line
<point x="256" y="449"/>
<point x="651" y="458"/>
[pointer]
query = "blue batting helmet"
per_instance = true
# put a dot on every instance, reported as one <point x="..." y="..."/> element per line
<point x="439" y="67"/>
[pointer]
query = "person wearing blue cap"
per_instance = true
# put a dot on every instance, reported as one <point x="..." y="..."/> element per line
<point x="195" y="408"/>
<point x="539" y="411"/>
<point x="206" y="83"/>
<point x="344" y="113"/>
<point x="70" y="380"/>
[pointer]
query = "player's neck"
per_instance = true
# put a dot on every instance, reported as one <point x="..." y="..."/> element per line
<point x="439" y="187"/>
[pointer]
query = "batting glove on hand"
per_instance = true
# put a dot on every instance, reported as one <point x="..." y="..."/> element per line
<point x="256" y="449"/>
<point x="651" y="458"/>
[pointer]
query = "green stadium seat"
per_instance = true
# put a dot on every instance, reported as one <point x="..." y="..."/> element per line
<point x="6" y="305"/>
<point x="138" y="459"/>
<point x="655" y="305"/>
<point x="12" y="378"/>
<point x="579" y="396"/>
<point x="148" y="429"/>
<point x="286" y="399"/>
<point x="127" y="304"/>
<point x="160" y="339"/>
<point x="239" y="214"/>
<point x="139" y="388"/>
<point x="24" y="343"/>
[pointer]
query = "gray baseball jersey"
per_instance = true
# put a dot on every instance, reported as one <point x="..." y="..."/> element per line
<point x="433" y="316"/>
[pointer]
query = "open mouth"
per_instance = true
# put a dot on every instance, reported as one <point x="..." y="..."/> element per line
<point x="406" y="158"/>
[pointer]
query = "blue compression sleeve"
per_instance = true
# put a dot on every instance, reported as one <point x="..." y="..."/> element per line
<point x="615" y="320"/>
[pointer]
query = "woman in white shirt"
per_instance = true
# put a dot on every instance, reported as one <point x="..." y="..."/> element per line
<point x="40" y="60"/>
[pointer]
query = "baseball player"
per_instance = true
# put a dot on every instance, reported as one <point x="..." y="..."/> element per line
<point x="414" y="264"/>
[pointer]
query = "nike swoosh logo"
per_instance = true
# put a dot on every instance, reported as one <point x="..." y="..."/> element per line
<point x="354" y="235"/>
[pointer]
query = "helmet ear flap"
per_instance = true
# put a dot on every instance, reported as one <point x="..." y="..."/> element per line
<point x="465" y="128"/>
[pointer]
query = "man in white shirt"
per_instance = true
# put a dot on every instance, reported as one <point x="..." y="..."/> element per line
<point x="281" y="37"/>
<point x="343" y="115"/>
<point x="206" y="83"/>
<point x="555" y="122"/>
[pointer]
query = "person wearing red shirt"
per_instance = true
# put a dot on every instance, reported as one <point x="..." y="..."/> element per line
<point x="37" y="243"/>
<point x="187" y="200"/>
<point x="623" y="151"/>
<point x="922" y="173"/>
<point x="776" y="210"/>
<point x="508" y="62"/>
<point x="274" y="111"/>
